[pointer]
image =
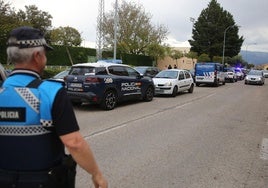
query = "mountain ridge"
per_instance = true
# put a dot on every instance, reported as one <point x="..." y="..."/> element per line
<point x="254" y="57"/>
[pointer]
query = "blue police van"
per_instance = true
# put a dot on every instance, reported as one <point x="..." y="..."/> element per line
<point x="107" y="84"/>
<point x="209" y="73"/>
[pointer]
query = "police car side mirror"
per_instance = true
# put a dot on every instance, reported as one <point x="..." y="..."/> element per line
<point x="139" y="76"/>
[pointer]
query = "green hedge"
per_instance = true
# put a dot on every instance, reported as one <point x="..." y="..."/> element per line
<point x="59" y="56"/>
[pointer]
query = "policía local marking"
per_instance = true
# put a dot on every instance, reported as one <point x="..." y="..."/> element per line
<point x="16" y="114"/>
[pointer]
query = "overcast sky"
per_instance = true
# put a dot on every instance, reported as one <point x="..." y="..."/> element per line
<point x="251" y="15"/>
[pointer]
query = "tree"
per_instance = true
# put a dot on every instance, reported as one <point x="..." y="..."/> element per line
<point x="208" y="32"/>
<point x="156" y="51"/>
<point x="175" y="54"/>
<point x="35" y="18"/>
<point x="135" y="31"/>
<point x="66" y="36"/>
<point x="8" y="20"/>
<point x="203" y="58"/>
<point x="192" y="55"/>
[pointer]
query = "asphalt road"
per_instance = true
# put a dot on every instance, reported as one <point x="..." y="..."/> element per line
<point x="216" y="137"/>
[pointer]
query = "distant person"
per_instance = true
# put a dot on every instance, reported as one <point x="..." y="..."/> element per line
<point x="37" y="122"/>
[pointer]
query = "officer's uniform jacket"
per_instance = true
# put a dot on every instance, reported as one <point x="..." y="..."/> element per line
<point x="27" y="136"/>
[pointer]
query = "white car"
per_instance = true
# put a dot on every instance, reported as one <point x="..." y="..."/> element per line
<point x="265" y="73"/>
<point x="230" y="76"/>
<point x="255" y="77"/>
<point x="239" y="74"/>
<point x="173" y="81"/>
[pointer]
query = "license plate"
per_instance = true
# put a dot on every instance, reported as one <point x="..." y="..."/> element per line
<point x="75" y="85"/>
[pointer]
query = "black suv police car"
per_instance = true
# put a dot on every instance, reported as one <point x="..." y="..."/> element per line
<point x="107" y="84"/>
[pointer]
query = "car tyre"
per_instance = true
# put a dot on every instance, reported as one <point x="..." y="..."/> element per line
<point x="149" y="94"/>
<point x="109" y="100"/>
<point x="175" y="91"/>
<point x="191" y="88"/>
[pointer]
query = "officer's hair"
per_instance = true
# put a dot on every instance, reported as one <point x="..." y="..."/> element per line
<point x="19" y="55"/>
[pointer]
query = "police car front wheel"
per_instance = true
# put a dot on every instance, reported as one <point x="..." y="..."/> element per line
<point x="149" y="94"/>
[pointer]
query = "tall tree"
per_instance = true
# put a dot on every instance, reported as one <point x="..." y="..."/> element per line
<point x="208" y="32"/>
<point x="66" y="36"/>
<point x="135" y="30"/>
<point x="8" y="20"/>
<point x="35" y="18"/>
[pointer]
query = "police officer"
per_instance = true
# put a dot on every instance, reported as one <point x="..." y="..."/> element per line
<point x="36" y="122"/>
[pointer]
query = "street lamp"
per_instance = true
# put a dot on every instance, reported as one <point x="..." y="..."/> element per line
<point x="224" y="36"/>
<point x="247" y="50"/>
<point x="115" y="27"/>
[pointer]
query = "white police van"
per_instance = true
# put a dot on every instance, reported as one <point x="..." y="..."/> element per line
<point x="209" y="73"/>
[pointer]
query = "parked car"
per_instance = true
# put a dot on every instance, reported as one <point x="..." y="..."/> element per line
<point x="255" y="77"/>
<point x="265" y="73"/>
<point x="3" y="74"/>
<point x="107" y="84"/>
<point x="147" y="70"/>
<point x="230" y="75"/>
<point x="172" y="81"/>
<point x="61" y="75"/>
<point x="239" y="74"/>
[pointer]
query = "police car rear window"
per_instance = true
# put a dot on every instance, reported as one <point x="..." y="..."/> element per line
<point x="82" y="70"/>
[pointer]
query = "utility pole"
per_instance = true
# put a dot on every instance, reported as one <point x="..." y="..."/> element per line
<point x="115" y="27"/>
<point x="224" y="38"/>
<point x="99" y="39"/>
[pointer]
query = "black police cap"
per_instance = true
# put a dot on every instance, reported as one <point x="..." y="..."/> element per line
<point x="27" y="37"/>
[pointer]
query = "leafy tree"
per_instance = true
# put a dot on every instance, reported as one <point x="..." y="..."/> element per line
<point x="238" y="61"/>
<point x="135" y="31"/>
<point x="192" y="55"/>
<point x="66" y="36"/>
<point x="156" y="51"/>
<point x="176" y="54"/>
<point x="35" y="18"/>
<point x="217" y="59"/>
<point x="8" y="20"/>
<point x="208" y="32"/>
<point x="203" y="58"/>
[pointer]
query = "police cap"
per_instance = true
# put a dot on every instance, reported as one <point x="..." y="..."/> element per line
<point x="27" y="37"/>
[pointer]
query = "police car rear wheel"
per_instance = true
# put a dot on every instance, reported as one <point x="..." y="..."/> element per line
<point x="109" y="100"/>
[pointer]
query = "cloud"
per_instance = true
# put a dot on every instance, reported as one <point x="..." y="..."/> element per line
<point x="82" y="15"/>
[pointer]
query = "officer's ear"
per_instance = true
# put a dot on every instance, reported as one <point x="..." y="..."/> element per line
<point x="38" y="56"/>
